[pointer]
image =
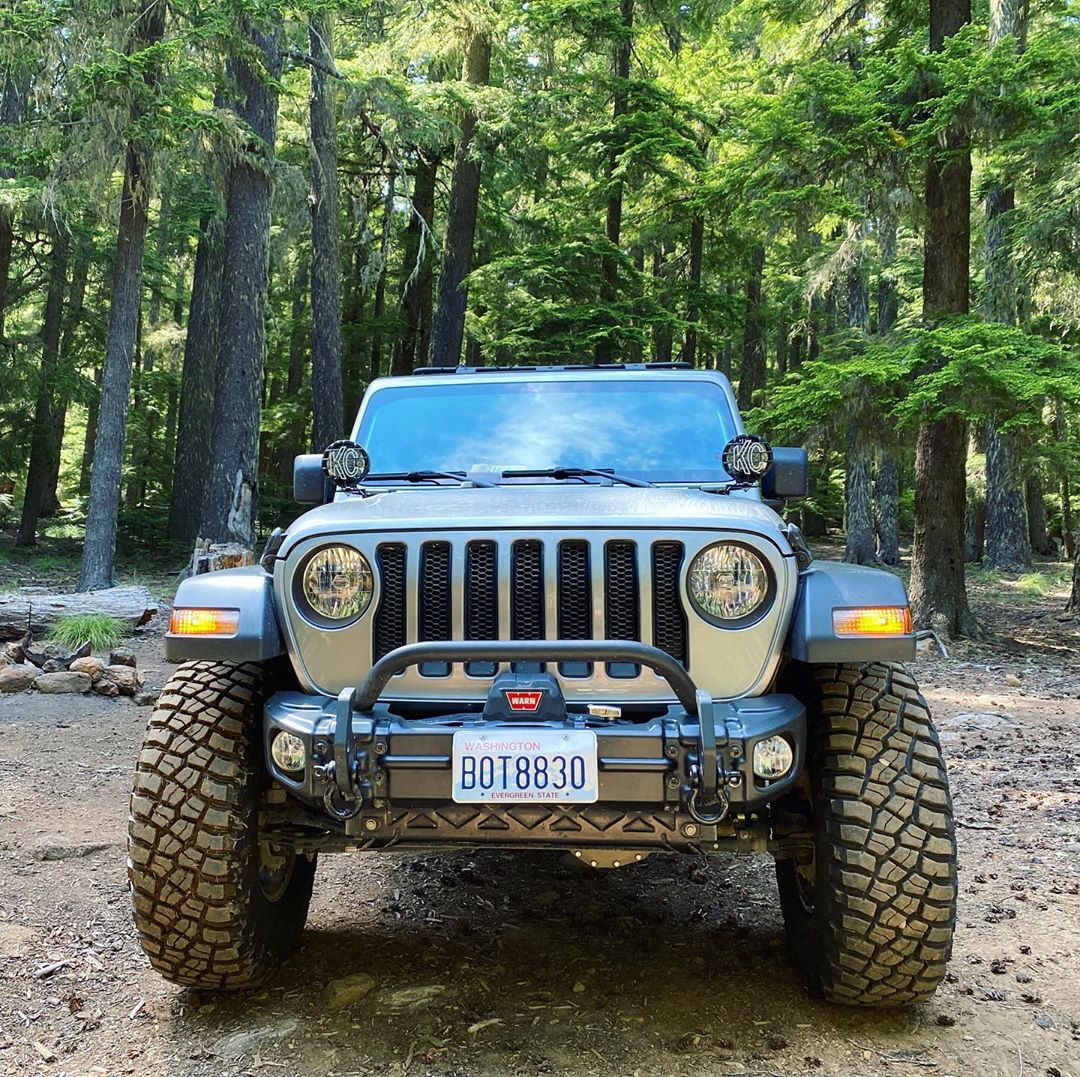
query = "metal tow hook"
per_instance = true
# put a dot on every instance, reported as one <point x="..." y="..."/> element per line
<point x="714" y="810"/>
<point x="333" y="801"/>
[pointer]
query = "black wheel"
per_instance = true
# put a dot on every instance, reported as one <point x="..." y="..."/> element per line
<point x="870" y="911"/>
<point x="214" y="906"/>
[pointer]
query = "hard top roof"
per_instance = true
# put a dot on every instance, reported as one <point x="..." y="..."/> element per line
<point x="576" y="368"/>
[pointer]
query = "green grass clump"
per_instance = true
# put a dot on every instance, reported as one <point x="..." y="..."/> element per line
<point x="101" y="630"/>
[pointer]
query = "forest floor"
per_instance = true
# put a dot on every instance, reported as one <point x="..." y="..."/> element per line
<point x="489" y="963"/>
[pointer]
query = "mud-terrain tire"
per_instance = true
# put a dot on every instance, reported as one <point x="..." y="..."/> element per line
<point x="208" y="910"/>
<point x="870" y="921"/>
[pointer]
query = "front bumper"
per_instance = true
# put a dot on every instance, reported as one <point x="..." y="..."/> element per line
<point x="683" y="776"/>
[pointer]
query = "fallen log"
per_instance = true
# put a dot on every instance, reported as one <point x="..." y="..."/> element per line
<point x="132" y="605"/>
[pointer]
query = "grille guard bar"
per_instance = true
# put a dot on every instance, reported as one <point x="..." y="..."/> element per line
<point x="697" y="702"/>
<point x="367" y="693"/>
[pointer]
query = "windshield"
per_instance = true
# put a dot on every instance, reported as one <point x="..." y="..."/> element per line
<point x="661" y="430"/>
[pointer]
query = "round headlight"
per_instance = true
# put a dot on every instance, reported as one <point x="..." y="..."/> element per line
<point x="728" y="582"/>
<point x="337" y="583"/>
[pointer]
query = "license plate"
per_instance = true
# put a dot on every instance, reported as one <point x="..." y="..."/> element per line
<point x="532" y="765"/>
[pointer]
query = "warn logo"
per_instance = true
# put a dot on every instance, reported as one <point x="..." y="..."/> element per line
<point x="524" y="701"/>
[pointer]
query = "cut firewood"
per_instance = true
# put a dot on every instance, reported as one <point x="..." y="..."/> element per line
<point x="34" y="611"/>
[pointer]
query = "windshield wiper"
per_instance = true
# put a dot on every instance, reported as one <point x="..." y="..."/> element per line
<point x="426" y="476"/>
<point x="574" y="473"/>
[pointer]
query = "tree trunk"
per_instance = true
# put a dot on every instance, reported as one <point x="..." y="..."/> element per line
<point x="298" y="337"/>
<point x="18" y="609"/>
<point x="1074" y="595"/>
<point x="417" y="263"/>
<point x="887" y="474"/>
<point x="448" y="330"/>
<point x="1036" y="513"/>
<point x="1008" y="544"/>
<point x="690" y="335"/>
<point x="974" y="527"/>
<point x="91" y="434"/>
<point x="42" y="431"/>
<point x="379" y="309"/>
<point x="291" y="441"/>
<point x="938" y="591"/>
<point x="752" y="367"/>
<point x="859" y="546"/>
<point x="858" y="494"/>
<point x="662" y="335"/>
<point x="232" y="487"/>
<point x="96" y="570"/>
<point x="197" y="384"/>
<point x="1068" y="525"/>
<point x="143" y="363"/>
<point x="609" y="262"/>
<point x="355" y="295"/>
<point x="326" y="402"/>
<point x="886" y="507"/>
<point x="50" y="502"/>
<point x="11" y="108"/>
<point x="938" y="595"/>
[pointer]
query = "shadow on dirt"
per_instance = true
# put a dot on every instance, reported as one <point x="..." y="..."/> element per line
<point x="498" y="963"/>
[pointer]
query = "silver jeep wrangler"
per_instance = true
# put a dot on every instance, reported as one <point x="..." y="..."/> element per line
<point x="546" y="608"/>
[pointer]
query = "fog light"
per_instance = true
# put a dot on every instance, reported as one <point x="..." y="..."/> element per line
<point x="773" y="757"/>
<point x="288" y="752"/>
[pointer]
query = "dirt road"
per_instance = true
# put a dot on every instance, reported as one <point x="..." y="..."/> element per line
<point x="499" y="964"/>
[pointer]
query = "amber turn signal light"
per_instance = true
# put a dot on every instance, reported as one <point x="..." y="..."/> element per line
<point x="872" y="621"/>
<point x="197" y="622"/>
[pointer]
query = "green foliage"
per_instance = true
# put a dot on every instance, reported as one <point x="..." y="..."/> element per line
<point x="101" y="631"/>
<point x="983" y="371"/>
<point x="802" y="130"/>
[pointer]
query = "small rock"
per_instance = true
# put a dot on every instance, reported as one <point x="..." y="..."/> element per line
<point x="15" y="939"/>
<point x="986" y="721"/>
<point x="246" y="1041"/>
<point x="53" y="665"/>
<point x="1044" y="1020"/>
<point x="945" y="1020"/>
<point x="18" y="678"/>
<point x="64" y="681"/>
<point x="122" y="656"/>
<point x="47" y="849"/>
<point x="1012" y="680"/>
<point x="411" y="998"/>
<point x="147" y="697"/>
<point x="348" y="989"/>
<point x="106" y="688"/>
<point x="123" y="678"/>
<point x="90" y="665"/>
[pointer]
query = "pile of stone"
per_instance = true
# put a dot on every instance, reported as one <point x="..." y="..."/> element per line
<point x="48" y="667"/>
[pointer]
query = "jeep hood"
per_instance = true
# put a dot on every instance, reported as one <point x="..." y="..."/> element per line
<point x="533" y="508"/>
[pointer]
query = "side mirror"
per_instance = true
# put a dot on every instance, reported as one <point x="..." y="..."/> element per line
<point x="789" y="475"/>
<point x="308" y="479"/>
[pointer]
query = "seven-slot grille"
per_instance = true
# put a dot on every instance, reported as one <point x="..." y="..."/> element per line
<point x="597" y="595"/>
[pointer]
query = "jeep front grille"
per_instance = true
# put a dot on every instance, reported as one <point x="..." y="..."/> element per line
<point x="531" y="588"/>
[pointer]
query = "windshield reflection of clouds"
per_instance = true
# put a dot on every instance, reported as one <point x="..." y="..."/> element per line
<point x="637" y="427"/>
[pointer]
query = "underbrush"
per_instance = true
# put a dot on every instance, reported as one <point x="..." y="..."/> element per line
<point x="100" y="630"/>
